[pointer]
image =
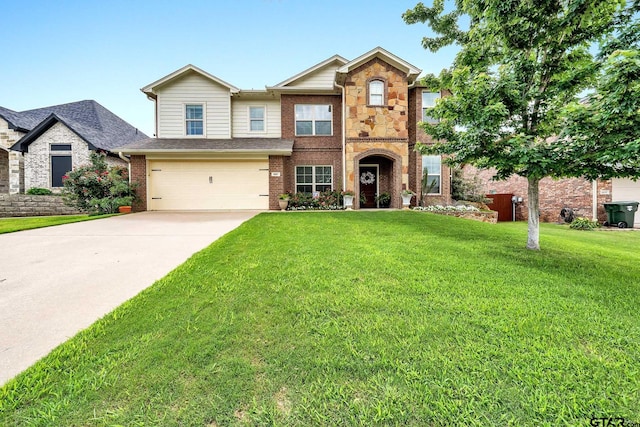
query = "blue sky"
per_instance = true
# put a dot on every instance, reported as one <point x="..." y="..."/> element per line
<point x="63" y="51"/>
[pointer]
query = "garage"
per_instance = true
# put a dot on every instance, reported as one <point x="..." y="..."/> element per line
<point x="626" y="190"/>
<point x="208" y="184"/>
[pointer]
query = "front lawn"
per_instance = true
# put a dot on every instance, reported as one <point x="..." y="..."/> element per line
<point x="360" y="318"/>
<point x="9" y="225"/>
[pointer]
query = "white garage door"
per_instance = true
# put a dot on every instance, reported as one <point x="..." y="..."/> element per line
<point x="626" y="190"/>
<point x="208" y="184"/>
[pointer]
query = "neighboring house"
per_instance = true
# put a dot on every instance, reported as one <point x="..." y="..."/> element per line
<point x="339" y="125"/>
<point x="38" y="147"/>
<point x="585" y="198"/>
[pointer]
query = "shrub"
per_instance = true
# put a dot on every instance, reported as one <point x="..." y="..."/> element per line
<point x="584" y="224"/>
<point x="466" y="189"/>
<point x="326" y="200"/>
<point x="383" y="200"/>
<point x="98" y="188"/>
<point x="37" y="191"/>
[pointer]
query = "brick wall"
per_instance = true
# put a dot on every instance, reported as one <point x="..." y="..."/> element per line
<point x="138" y="168"/>
<point x="416" y="134"/>
<point x="574" y="193"/>
<point x="20" y="205"/>
<point x="307" y="150"/>
<point x="276" y="183"/>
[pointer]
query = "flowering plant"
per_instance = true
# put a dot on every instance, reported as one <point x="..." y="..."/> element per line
<point x="98" y="188"/>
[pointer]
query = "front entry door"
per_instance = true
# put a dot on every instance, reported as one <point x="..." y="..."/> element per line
<point x="368" y="185"/>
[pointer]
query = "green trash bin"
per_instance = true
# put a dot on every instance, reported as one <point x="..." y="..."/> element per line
<point x="620" y="214"/>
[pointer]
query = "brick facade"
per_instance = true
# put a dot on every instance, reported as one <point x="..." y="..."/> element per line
<point x="574" y="193"/>
<point x="138" y="171"/>
<point x="416" y="134"/>
<point x="309" y="150"/>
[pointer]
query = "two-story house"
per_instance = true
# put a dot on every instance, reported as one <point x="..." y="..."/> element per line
<point x="339" y="125"/>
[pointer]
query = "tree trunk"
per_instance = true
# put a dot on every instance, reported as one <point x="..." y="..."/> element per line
<point x="533" y="239"/>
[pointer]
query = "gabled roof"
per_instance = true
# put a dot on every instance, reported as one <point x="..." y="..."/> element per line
<point x="309" y="71"/>
<point x="96" y="125"/>
<point x="386" y="56"/>
<point x="149" y="89"/>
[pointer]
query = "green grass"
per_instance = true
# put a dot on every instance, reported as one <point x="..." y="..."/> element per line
<point x="360" y="318"/>
<point x="10" y="225"/>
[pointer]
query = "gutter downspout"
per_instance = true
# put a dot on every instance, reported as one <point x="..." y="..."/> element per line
<point x="594" y="202"/>
<point x="123" y="157"/>
<point x="344" y="139"/>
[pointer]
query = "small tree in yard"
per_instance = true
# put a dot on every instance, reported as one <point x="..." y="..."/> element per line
<point x="98" y="188"/>
<point x="515" y="84"/>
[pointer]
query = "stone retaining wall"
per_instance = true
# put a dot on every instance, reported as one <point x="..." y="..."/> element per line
<point x="482" y="216"/>
<point x="25" y="205"/>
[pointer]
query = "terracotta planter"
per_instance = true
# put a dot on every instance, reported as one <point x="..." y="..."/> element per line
<point x="124" y="209"/>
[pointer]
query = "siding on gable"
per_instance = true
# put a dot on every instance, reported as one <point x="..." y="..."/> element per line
<point x="193" y="88"/>
<point x="240" y="115"/>
<point x="322" y="78"/>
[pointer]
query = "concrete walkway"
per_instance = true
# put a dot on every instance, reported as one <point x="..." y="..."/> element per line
<point x="57" y="281"/>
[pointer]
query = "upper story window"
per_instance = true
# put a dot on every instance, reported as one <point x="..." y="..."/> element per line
<point x="194" y="119"/>
<point x="256" y="119"/>
<point x="313" y="119"/>
<point x="428" y="102"/>
<point x="376" y="92"/>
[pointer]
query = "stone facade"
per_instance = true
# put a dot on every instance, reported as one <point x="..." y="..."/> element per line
<point x="19" y="205"/>
<point x="11" y="162"/>
<point x="37" y="160"/>
<point x="574" y="193"/>
<point x="377" y="134"/>
<point x="389" y="120"/>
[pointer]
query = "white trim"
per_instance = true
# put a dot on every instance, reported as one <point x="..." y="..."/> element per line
<point x="313" y="121"/>
<point x="150" y="89"/>
<point x="204" y="119"/>
<point x="386" y="56"/>
<point x="308" y="71"/>
<point x="313" y="175"/>
<point x="429" y="107"/>
<point x="264" y="118"/>
<point x="439" y="193"/>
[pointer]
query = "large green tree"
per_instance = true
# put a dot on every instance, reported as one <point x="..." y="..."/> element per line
<point x="515" y="84"/>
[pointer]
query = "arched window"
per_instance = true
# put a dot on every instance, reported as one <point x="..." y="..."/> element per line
<point x="376" y="92"/>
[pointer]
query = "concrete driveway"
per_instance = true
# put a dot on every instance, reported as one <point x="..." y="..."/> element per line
<point x="58" y="280"/>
